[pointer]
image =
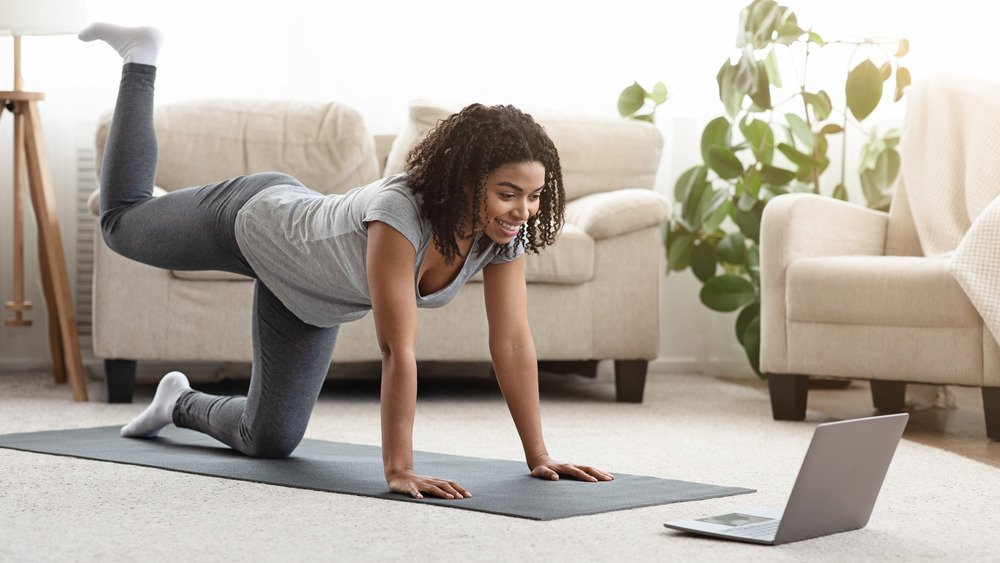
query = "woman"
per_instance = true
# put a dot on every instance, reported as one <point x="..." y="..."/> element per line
<point x="319" y="261"/>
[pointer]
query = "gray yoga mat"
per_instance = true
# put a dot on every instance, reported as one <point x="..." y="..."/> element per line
<point x="497" y="486"/>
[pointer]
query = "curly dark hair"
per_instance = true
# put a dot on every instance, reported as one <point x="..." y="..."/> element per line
<point x="460" y="152"/>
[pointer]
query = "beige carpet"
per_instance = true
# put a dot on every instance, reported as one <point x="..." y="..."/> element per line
<point x="934" y="505"/>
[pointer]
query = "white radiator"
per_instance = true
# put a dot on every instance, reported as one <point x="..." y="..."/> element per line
<point x="83" y="296"/>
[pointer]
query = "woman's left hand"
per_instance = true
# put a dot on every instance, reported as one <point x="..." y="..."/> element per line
<point x="545" y="467"/>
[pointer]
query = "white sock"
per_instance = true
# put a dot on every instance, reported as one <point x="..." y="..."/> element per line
<point x="160" y="412"/>
<point x="135" y="44"/>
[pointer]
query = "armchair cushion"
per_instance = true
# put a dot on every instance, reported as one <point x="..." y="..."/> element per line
<point x="877" y="291"/>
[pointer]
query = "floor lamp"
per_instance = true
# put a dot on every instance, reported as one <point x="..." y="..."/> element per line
<point x="41" y="17"/>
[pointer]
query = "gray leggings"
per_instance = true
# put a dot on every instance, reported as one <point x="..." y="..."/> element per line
<point x="192" y="229"/>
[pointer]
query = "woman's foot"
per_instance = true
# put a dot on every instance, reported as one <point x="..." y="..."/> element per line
<point x="135" y="44"/>
<point x="160" y="412"/>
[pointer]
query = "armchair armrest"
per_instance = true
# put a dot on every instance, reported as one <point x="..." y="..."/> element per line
<point x="796" y="226"/>
<point x="94" y="200"/>
<point x="610" y="214"/>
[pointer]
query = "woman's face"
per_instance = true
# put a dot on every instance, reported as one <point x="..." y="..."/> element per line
<point x="513" y="193"/>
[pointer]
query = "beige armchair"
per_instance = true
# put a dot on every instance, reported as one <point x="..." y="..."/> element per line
<point x="847" y="292"/>
<point x="593" y="295"/>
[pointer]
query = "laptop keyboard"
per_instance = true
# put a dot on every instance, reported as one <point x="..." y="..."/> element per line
<point x="763" y="531"/>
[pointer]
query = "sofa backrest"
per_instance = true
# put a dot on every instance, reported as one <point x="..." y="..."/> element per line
<point x="326" y="146"/>
<point x="596" y="154"/>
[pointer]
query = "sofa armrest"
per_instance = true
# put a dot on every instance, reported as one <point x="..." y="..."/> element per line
<point x="94" y="200"/>
<point x="797" y="226"/>
<point x="610" y="214"/>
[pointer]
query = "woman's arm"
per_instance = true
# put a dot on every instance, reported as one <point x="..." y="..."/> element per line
<point x="390" y="265"/>
<point x="513" y="351"/>
<point x="516" y="364"/>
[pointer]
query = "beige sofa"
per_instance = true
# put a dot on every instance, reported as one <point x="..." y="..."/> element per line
<point x="593" y="295"/>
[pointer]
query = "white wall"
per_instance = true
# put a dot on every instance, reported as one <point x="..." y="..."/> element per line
<point x="377" y="56"/>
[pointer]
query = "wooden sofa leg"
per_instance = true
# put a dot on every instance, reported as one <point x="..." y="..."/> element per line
<point x="991" y="409"/>
<point x="630" y="380"/>
<point x="121" y="380"/>
<point x="888" y="396"/>
<point x="789" y="395"/>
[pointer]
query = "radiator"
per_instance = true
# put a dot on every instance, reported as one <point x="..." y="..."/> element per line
<point x="83" y="296"/>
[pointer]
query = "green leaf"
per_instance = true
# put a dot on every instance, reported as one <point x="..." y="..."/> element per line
<point x="886" y="169"/>
<point x="694" y="206"/>
<point x="727" y="293"/>
<point x="732" y="248"/>
<point x="904" y="48"/>
<point x="864" y="89"/>
<point x="815" y="38"/>
<point x="752" y="182"/>
<point x="749" y="221"/>
<point x="724" y="163"/>
<point x="748" y="314"/>
<point x="760" y="138"/>
<point x="840" y="192"/>
<point x="631" y="99"/>
<point x="718" y="133"/>
<point x="659" y="94"/>
<point x="648" y="117"/>
<point x="788" y="33"/>
<point x="831" y="129"/>
<point x="774" y="176"/>
<point x="687" y="181"/>
<point x="712" y="222"/>
<point x="771" y="68"/>
<point x="731" y="99"/>
<point x="798" y="157"/>
<point x="800" y="129"/>
<point x="761" y="94"/>
<point x="885" y="71"/>
<point x="679" y="251"/>
<point x="820" y="103"/>
<point x="902" y="81"/>
<point x="745" y="79"/>
<point x="703" y="262"/>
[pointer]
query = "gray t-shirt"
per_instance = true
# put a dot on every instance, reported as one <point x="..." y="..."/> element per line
<point x="309" y="248"/>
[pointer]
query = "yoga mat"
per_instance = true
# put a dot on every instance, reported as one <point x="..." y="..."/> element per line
<point x="497" y="486"/>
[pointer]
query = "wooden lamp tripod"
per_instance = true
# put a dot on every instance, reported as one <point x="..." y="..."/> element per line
<point x="29" y="155"/>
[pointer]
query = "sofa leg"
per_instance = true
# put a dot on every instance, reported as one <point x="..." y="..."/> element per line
<point x="789" y="395"/>
<point x="991" y="409"/>
<point x="121" y="380"/>
<point x="888" y="396"/>
<point x="630" y="380"/>
<point x="587" y="368"/>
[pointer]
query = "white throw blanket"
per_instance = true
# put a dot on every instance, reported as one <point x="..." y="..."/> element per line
<point x="951" y="166"/>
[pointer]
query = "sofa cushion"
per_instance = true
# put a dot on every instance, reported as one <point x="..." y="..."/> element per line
<point x="595" y="154"/>
<point x="326" y="146"/>
<point x="569" y="261"/>
<point x="902" y="291"/>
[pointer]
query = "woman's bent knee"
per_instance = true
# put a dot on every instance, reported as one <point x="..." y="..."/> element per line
<point x="272" y="448"/>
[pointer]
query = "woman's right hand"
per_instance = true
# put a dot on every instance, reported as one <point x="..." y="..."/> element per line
<point x="408" y="483"/>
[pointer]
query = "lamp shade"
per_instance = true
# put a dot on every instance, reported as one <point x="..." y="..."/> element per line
<point x="42" y="17"/>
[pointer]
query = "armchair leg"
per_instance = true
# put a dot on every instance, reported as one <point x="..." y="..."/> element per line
<point x="888" y="396"/>
<point x="789" y="395"/>
<point x="121" y="380"/>
<point x="991" y="408"/>
<point x="630" y="380"/>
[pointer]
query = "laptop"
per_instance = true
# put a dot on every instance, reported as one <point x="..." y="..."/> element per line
<point x="835" y="491"/>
